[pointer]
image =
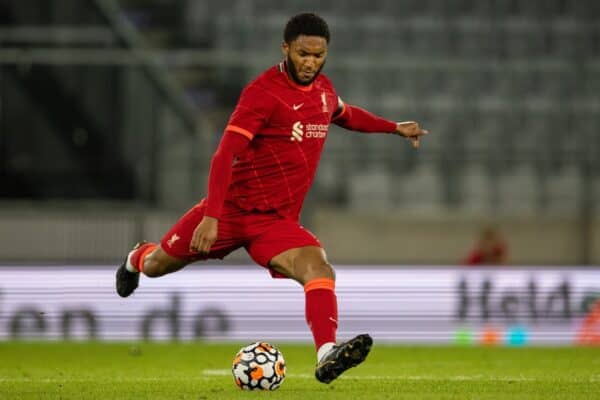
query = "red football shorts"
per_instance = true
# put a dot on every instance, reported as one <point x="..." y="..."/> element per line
<point x="263" y="234"/>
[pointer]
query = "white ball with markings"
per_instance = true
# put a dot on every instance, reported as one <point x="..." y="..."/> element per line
<point x="258" y="366"/>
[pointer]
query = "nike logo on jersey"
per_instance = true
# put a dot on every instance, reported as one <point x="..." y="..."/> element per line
<point x="296" y="107"/>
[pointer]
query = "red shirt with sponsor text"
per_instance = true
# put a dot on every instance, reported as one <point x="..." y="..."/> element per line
<point x="287" y="124"/>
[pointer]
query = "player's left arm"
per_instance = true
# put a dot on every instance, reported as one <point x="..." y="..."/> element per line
<point x="358" y="119"/>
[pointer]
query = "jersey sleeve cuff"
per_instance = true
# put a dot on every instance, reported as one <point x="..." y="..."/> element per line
<point x="212" y="211"/>
<point x="241" y="131"/>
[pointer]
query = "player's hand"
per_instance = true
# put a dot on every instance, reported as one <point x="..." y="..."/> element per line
<point x="412" y="131"/>
<point x="205" y="235"/>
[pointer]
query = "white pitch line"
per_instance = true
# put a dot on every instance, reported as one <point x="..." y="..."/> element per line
<point x="216" y="372"/>
<point x="225" y="372"/>
<point x="90" y="380"/>
<point x="206" y="374"/>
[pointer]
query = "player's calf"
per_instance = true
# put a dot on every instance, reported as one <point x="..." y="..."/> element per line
<point x="159" y="263"/>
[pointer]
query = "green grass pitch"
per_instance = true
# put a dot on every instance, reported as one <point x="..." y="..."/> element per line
<point x="31" y="370"/>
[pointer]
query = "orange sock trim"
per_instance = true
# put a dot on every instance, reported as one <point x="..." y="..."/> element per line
<point x="147" y="251"/>
<point x="319" y="283"/>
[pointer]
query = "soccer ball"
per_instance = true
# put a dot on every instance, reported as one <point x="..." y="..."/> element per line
<point x="258" y="366"/>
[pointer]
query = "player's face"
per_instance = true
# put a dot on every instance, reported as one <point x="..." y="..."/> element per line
<point x="306" y="57"/>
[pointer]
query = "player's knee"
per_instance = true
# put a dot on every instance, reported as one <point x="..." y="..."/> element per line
<point x="326" y="270"/>
<point x="318" y="270"/>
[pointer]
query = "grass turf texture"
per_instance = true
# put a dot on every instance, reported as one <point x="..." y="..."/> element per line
<point x="202" y="371"/>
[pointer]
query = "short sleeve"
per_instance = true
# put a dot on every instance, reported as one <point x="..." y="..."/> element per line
<point x="252" y="111"/>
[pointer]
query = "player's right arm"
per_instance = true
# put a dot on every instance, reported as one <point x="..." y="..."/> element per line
<point x="232" y="145"/>
<point x="250" y="114"/>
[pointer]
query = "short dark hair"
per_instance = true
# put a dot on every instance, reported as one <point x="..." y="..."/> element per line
<point x="309" y="24"/>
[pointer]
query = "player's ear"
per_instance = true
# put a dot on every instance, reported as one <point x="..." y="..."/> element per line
<point x="285" y="48"/>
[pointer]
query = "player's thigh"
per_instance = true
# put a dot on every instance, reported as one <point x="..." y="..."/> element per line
<point x="175" y="244"/>
<point x="290" y="250"/>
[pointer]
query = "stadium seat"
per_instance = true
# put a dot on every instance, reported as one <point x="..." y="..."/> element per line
<point x="518" y="190"/>
<point x="421" y="189"/>
<point x="564" y="190"/>
<point x="370" y="189"/>
<point x="475" y="194"/>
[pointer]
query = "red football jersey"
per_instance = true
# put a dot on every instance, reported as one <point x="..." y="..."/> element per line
<point x="287" y="124"/>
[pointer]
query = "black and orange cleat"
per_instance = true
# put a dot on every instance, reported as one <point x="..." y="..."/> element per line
<point x="126" y="281"/>
<point x="342" y="357"/>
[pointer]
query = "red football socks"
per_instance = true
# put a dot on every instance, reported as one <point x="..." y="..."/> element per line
<point x="321" y="310"/>
<point x="139" y="254"/>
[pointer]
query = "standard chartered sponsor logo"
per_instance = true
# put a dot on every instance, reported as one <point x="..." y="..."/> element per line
<point x="300" y="131"/>
<point x="317" y="127"/>
<point x="297" y="131"/>
<point x="316" y="130"/>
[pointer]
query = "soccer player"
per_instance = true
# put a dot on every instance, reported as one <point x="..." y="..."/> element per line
<point x="258" y="179"/>
<point x="490" y="249"/>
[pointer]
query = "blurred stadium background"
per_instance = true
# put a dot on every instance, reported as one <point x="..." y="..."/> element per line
<point x="110" y="111"/>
